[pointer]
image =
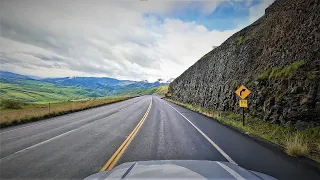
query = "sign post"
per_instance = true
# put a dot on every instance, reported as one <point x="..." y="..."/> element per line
<point x="243" y="92"/>
<point x="243" y="104"/>
<point x="243" y="116"/>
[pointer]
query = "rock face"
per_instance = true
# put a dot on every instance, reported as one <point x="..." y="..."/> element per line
<point x="277" y="58"/>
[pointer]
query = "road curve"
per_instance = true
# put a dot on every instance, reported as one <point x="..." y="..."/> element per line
<point x="168" y="134"/>
<point x="80" y="144"/>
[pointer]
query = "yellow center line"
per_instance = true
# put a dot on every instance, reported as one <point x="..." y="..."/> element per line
<point x="117" y="155"/>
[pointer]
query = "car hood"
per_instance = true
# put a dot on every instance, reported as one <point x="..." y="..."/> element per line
<point x="178" y="169"/>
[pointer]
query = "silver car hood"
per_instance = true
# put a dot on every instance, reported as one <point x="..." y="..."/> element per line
<point x="179" y="169"/>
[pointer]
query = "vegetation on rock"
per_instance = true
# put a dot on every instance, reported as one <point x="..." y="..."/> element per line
<point x="281" y="72"/>
<point x="240" y="40"/>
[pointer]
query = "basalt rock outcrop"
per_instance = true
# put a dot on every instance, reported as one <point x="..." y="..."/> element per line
<point x="277" y="58"/>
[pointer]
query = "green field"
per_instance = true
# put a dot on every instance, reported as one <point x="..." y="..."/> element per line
<point x="160" y="90"/>
<point x="37" y="91"/>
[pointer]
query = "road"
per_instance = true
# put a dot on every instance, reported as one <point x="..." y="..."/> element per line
<point x="80" y="144"/>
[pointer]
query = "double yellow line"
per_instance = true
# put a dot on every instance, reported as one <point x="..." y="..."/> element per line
<point x="117" y="155"/>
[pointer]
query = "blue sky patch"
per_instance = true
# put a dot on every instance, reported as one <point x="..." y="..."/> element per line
<point x="225" y="17"/>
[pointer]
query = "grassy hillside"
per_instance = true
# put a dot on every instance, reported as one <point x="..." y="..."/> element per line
<point x="137" y="91"/>
<point x="161" y="90"/>
<point x="37" y="91"/>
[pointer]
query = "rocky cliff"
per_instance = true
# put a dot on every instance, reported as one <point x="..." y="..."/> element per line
<point x="277" y="58"/>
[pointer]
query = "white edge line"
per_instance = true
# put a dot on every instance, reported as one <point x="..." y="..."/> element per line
<point x="205" y="136"/>
<point x="75" y="122"/>
<point x="46" y="141"/>
<point x="231" y="171"/>
<point x="22" y="127"/>
<point x="40" y="143"/>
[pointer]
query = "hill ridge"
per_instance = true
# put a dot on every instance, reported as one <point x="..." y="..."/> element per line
<point x="276" y="57"/>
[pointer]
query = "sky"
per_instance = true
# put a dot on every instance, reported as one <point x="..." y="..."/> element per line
<point x="134" y="40"/>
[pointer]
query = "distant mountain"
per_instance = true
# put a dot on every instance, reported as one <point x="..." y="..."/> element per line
<point x="170" y="80"/>
<point x="35" y="77"/>
<point x="166" y="82"/>
<point x="101" y="82"/>
<point x="4" y="74"/>
<point x="87" y="82"/>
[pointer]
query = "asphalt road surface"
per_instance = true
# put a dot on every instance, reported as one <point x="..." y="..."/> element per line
<point x="80" y="144"/>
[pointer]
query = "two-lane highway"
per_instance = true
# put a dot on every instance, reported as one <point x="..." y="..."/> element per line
<point x="71" y="146"/>
<point x="144" y="128"/>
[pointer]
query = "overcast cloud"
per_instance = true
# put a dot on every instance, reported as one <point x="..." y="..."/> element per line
<point x="125" y="40"/>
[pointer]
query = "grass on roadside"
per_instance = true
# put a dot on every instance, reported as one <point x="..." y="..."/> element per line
<point x="161" y="90"/>
<point x="296" y="143"/>
<point x="296" y="146"/>
<point x="32" y="112"/>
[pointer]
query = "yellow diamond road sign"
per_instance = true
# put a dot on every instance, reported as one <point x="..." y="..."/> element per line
<point x="243" y="92"/>
<point x="243" y="103"/>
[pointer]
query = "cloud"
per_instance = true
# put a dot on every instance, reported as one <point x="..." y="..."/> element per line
<point x="104" y="38"/>
<point x="256" y="11"/>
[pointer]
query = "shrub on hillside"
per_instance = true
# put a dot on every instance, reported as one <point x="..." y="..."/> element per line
<point x="11" y="104"/>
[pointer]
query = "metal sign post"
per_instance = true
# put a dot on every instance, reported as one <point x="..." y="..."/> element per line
<point x="243" y="116"/>
<point x="243" y="104"/>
